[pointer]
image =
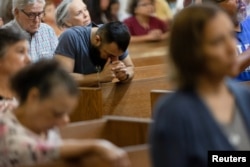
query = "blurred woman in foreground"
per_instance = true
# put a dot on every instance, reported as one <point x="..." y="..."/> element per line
<point x="208" y="111"/>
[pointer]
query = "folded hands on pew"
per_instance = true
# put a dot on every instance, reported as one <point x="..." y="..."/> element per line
<point x="115" y="69"/>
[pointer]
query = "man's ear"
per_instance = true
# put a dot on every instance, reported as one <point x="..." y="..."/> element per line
<point x="33" y="95"/>
<point x="16" y="12"/>
<point x="98" y="40"/>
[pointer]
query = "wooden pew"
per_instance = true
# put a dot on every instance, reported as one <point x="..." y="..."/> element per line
<point x="127" y="99"/>
<point x="149" y="60"/>
<point x="151" y="71"/>
<point x="92" y="109"/>
<point x="156" y="94"/>
<point x="89" y="105"/>
<point x="148" y="49"/>
<point x="129" y="133"/>
<point x="131" y="99"/>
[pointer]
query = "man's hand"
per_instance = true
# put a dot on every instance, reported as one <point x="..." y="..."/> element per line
<point x="107" y="74"/>
<point x="120" y="70"/>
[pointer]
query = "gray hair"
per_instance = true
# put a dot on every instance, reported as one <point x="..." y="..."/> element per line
<point x="20" y="4"/>
<point x="62" y="13"/>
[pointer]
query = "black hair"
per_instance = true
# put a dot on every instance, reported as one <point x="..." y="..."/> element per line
<point x="108" y="13"/>
<point x="9" y="36"/>
<point x="44" y="75"/>
<point x="115" y="32"/>
<point x="132" y="5"/>
<point x="95" y="10"/>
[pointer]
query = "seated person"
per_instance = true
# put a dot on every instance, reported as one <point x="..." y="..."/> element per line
<point x="27" y="19"/>
<point x="142" y="25"/>
<point x="208" y="111"/>
<point x="71" y="13"/>
<point x="5" y="11"/>
<point x="111" y="14"/>
<point x="96" y="54"/>
<point x="163" y="11"/>
<point x="97" y="10"/>
<point x="49" y="16"/>
<point x="14" y="56"/>
<point x="233" y="9"/>
<point x="47" y="94"/>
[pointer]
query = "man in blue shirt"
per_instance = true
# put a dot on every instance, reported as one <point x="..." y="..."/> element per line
<point x="96" y="54"/>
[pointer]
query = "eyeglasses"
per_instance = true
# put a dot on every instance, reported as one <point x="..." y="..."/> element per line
<point x="33" y="16"/>
<point x="145" y="4"/>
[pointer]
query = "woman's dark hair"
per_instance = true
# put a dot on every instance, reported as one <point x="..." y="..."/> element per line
<point x="44" y="75"/>
<point x="186" y="40"/>
<point x="116" y="32"/>
<point x="108" y="13"/>
<point x="132" y="5"/>
<point x="95" y="10"/>
<point x="9" y="37"/>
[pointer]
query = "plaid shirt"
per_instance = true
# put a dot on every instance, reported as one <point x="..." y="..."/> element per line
<point x="42" y="44"/>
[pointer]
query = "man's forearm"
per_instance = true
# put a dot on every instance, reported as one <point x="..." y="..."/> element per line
<point x="86" y="80"/>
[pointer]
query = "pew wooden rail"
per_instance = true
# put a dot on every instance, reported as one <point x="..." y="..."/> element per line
<point x="89" y="104"/>
<point x="156" y="94"/>
<point x="158" y="70"/>
<point x="129" y="133"/>
<point x="150" y="60"/>
<point x="148" y="49"/>
<point x="130" y="99"/>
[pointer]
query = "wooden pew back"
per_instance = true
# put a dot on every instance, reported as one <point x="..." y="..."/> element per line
<point x="150" y="60"/>
<point x="128" y="133"/>
<point x="133" y="98"/>
<point x="89" y="104"/>
<point x="151" y="71"/>
<point x="156" y="94"/>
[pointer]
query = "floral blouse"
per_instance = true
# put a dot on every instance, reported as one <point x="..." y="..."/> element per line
<point x="20" y="146"/>
<point x="7" y="104"/>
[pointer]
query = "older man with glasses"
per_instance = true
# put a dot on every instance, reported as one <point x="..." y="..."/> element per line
<point x="27" y="19"/>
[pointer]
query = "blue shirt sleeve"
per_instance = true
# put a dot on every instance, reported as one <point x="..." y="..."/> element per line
<point x="124" y="55"/>
<point x="67" y="45"/>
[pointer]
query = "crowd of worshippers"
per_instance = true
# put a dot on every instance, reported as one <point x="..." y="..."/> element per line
<point x="49" y="48"/>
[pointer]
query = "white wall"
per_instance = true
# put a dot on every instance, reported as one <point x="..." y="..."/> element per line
<point x="123" y="7"/>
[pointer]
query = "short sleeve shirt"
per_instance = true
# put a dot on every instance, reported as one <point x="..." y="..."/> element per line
<point x="136" y="29"/>
<point x="243" y="44"/>
<point x="75" y="43"/>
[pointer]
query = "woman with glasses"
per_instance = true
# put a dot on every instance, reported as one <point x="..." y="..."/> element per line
<point x="143" y="26"/>
<point x="47" y="94"/>
<point x="27" y="19"/>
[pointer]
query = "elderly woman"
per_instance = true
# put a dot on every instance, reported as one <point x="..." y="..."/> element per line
<point x="207" y="111"/>
<point x="47" y="94"/>
<point x="72" y="13"/>
<point x="14" y="56"/>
